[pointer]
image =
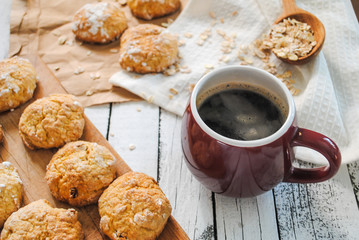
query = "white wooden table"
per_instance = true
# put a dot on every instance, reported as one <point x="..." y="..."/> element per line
<point x="327" y="210"/>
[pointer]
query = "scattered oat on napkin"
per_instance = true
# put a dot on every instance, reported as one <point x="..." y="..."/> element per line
<point x="329" y="98"/>
<point x="4" y="28"/>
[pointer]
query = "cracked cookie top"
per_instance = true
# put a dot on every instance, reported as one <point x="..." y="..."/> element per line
<point x="133" y="207"/>
<point x="17" y="82"/>
<point x="147" y="48"/>
<point x="79" y="172"/>
<point x="148" y="9"/>
<point x="52" y="121"/>
<point x="39" y="220"/>
<point x="10" y="191"/>
<point x="99" y="22"/>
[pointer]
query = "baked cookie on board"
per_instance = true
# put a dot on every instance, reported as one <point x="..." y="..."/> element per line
<point x="79" y="172"/>
<point x="148" y="9"/>
<point x="52" y="121"/>
<point x="133" y="207"/>
<point x="10" y="191"/>
<point x="39" y="220"/>
<point x="17" y="82"/>
<point x="147" y="48"/>
<point x="99" y="22"/>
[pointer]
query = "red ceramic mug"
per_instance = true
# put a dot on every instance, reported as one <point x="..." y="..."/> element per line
<point x="248" y="168"/>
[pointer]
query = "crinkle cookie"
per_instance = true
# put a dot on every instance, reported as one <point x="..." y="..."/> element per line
<point x="133" y="207"/>
<point x="39" y="220"/>
<point x="147" y="48"/>
<point x="148" y="9"/>
<point x="52" y="121"/>
<point x="17" y="82"/>
<point x="99" y="22"/>
<point x="79" y="172"/>
<point x="10" y="191"/>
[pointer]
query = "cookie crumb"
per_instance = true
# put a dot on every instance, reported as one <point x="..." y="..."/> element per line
<point x="70" y="42"/>
<point x="226" y="59"/>
<point x="62" y="40"/>
<point x="138" y="109"/>
<point x="188" y="35"/>
<point x="95" y="76"/>
<point x="200" y="42"/>
<point x="212" y="15"/>
<point x="89" y="93"/>
<point x="185" y="69"/>
<point x="170" y="71"/>
<point x="150" y="99"/>
<point x="173" y="91"/>
<point x="122" y="2"/>
<point x="56" y="33"/>
<point x="132" y="147"/>
<point x="88" y="53"/>
<point x="209" y="66"/>
<point x="181" y="42"/>
<point x="79" y="70"/>
<point x="191" y="87"/>
<point x="114" y="50"/>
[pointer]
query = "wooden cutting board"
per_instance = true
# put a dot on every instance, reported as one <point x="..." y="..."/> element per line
<point x="32" y="164"/>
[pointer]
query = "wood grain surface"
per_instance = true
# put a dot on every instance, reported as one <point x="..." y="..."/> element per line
<point x="32" y="164"/>
<point x="327" y="210"/>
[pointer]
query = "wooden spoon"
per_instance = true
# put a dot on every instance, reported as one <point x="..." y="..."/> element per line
<point x="290" y="10"/>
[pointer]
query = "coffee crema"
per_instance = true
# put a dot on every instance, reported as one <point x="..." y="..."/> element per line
<point x="241" y="111"/>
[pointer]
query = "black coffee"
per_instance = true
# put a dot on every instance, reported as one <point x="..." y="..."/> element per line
<point x="242" y="112"/>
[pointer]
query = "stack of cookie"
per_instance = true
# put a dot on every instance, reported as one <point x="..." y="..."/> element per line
<point x="46" y="123"/>
<point x="146" y="48"/>
<point x="80" y="173"/>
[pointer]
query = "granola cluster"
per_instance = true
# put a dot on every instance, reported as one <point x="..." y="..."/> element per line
<point x="291" y="39"/>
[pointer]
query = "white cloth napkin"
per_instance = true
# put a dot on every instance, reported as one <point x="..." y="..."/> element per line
<point x="329" y="102"/>
<point x="4" y="28"/>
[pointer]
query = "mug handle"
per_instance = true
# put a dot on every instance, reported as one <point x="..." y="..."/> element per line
<point x="321" y="144"/>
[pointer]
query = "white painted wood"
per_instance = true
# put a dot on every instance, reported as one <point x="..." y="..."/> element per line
<point x="353" y="169"/>
<point x="267" y="215"/>
<point x="191" y="202"/>
<point x="99" y="116"/>
<point x="326" y="210"/>
<point x="249" y="218"/>
<point x="136" y="123"/>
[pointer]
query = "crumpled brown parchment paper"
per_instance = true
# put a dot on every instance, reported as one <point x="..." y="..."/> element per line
<point x="37" y="27"/>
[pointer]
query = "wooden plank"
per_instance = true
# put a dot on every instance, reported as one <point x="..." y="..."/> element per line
<point x="248" y="218"/>
<point x="355" y="4"/>
<point x="136" y="123"/>
<point x="32" y="164"/>
<point x="99" y="116"/>
<point x="353" y="170"/>
<point x="324" y="210"/>
<point x="191" y="202"/>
